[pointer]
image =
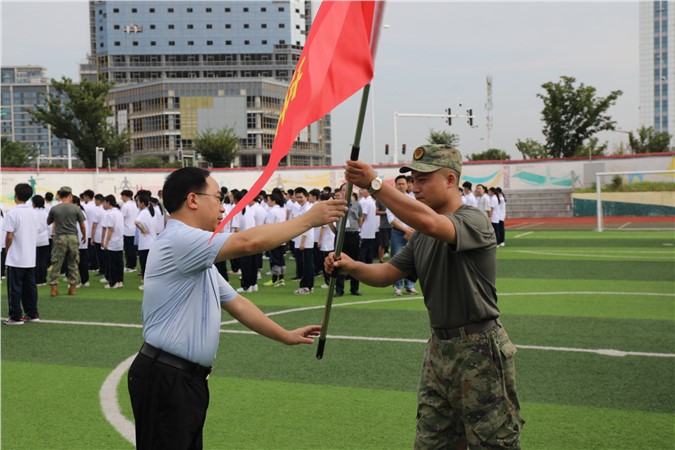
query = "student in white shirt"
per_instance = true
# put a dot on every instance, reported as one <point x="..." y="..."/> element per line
<point x="368" y="247"/>
<point x="113" y="243"/>
<point x="22" y="228"/>
<point x="276" y="214"/>
<point x="83" y="265"/>
<point x="160" y="215"/>
<point x="326" y="243"/>
<point x="305" y="246"/>
<point x="502" y="217"/>
<point x="483" y="199"/>
<point x="97" y="215"/>
<point x="147" y="226"/>
<point x="467" y="197"/>
<point x="247" y="264"/>
<point x="42" y="253"/>
<point x="129" y="212"/>
<point x="494" y="211"/>
<point x="90" y="211"/>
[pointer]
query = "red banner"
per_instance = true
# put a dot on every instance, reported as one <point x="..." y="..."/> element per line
<point x="337" y="61"/>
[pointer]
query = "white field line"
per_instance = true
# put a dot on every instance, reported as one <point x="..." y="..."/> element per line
<point x="524" y="234"/>
<point x="110" y="404"/>
<point x="588" y="255"/>
<point x="624" y="225"/>
<point x="108" y="393"/>
<point x="525" y="226"/>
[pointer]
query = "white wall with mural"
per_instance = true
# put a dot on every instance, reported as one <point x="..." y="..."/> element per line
<point x="519" y="175"/>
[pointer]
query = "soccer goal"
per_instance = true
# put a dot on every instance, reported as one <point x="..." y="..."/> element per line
<point x="657" y="203"/>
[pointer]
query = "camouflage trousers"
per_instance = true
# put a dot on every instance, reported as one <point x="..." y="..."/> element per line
<point x="65" y="246"/>
<point x="467" y="393"/>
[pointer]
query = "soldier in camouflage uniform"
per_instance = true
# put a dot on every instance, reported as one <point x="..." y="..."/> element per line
<point x="65" y="217"/>
<point x="467" y="391"/>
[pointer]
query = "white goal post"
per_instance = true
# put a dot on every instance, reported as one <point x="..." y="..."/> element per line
<point x="598" y="187"/>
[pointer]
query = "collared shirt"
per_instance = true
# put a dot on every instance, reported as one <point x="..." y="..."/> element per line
<point x="114" y="222"/>
<point x="458" y="281"/>
<point x="183" y="292"/>
<point x="23" y="221"/>
<point x="129" y="211"/>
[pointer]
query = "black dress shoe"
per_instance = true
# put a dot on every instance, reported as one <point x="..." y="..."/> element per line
<point x="356" y="293"/>
<point x="339" y="294"/>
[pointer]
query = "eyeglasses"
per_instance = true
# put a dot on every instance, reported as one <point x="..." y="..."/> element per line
<point x="220" y="197"/>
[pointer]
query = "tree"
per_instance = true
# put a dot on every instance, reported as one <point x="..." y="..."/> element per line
<point x="16" y="154"/>
<point x="78" y="112"/>
<point x="591" y="148"/>
<point x="443" y="137"/>
<point x="531" y="149"/>
<point x="219" y="148"/>
<point x="649" y="141"/>
<point x="572" y="114"/>
<point x="491" y="154"/>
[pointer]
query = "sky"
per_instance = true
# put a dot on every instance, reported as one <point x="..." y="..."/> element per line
<point x="431" y="56"/>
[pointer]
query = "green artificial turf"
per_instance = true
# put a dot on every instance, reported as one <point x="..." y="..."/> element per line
<point x="575" y="290"/>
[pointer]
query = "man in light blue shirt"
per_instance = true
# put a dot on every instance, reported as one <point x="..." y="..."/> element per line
<point x="182" y="307"/>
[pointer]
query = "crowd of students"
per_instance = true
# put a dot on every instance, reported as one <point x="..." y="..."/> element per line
<point x="116" y="236"/>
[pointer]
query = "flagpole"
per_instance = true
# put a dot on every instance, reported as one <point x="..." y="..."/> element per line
<point x="343" y="223"/>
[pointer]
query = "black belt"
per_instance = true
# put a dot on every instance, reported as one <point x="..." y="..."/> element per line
<point x="473" y="328"/>
<point x="176" y="362"/>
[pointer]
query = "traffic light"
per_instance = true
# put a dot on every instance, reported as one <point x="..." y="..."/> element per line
<point x="449" y="111"/>
<point x="386" y="149"/>
<point x="403" y="149"/>
<point x="469" y="112"/>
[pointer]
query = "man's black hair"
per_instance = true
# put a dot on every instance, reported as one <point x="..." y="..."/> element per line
<point x="301" y="190"/>
<point x="38" y="201"/>
<point x="88" y="193"/>
<point x="49" y="196"/>
<point x="23" y="192"/>
<point x="315" y="193"/>
<point x="401" y="176"/>
<point x="99" y="197"/>
<point x="112" y="200"/>
<point x="127" y="193"/>
<point x="467" y="184"/>
<point x="180" y="183"/>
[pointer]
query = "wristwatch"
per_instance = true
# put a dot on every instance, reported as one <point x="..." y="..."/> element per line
<point x="375" y="185"/>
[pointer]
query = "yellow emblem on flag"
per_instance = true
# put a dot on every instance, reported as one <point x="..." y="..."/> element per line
<point x="292" y="91"/>
<point x="419" y="154"/>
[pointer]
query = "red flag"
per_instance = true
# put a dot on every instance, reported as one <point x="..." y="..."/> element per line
<point x="337" y="61"/>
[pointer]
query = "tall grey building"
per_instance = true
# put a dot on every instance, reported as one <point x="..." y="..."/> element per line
<point x="657" y="65"/>
<point x="24" y="87"/>
<point x="182" y="67"/>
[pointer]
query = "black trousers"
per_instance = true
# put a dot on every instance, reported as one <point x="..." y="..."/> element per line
<point x="143" y="258"/>
<point x="130" y="252"/>
<point x="93" y="256"/>
<point x="42" y="258"/>
<point x="307" y="257"/>
<point x="249" y="271"/>
<point x="169" y="405"/>
<point x="84" y="265"/>
<point x="102" y="259"/>
<point x="350" y="247"/>
<point x="21" y="291"/>
<point x="115" y="273"/>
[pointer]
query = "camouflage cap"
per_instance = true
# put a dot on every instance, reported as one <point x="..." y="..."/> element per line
<point x="66" y="189"/>
<point x="431" y="157"/>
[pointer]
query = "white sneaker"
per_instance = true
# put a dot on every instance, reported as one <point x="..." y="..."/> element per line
<point x="303" y="291"/>
<point x="502" y="244"/>
<point x="280" y="283"/>
<point x="84" y="284"/>
<point x="141" y="288"/>
<point x="255" y="288"/>
<point x="103" y="280"/>
<point x="397" y="292"/>
<point x="411" y="291"/>
<point x="107" y="286"/>
<point x="259" y="276"/>
<point x="128" y="270"/>
<point x="324" y="286"/>
<point x="248" y="289"/>
<point x="118" y="285"/>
